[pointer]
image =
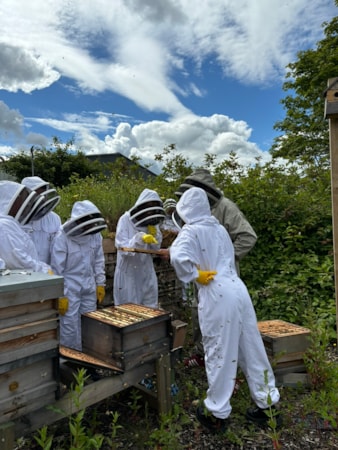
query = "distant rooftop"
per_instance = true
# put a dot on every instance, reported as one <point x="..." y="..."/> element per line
<point x="105" y="158"/>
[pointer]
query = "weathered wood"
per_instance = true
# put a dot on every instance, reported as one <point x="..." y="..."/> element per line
<point x="11" y="334"/>
<point x="179" y="331"/>
<point x="163" y="380"/>
<point x="10" y="358"/>
<point x="281" y="337"/>
<point x="108" y="336"/>
<point x="21" y="288"/>
<point x="333" y="127"/>
<point x="331" y="99"/>
<point x="7" y="436"/>
<point x="23" y="313"/>
<point x="96" y="392"/>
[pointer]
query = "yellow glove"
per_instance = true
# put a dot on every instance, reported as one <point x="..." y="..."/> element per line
<point x="50" y="272"/>
<point x="149" y="239"/>
<point x="205" y="276"/>
<point x="100" y="293"/>
<point x="152" y="230"/>
<point x="63" y="305"/>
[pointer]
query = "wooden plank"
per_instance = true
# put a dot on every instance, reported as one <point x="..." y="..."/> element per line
<point x="21" y="379"/>
<point x="30" y="400"/>
<point x="92" y="393"/>
<point x="81" y="357"/>
<point x="30" y="403"/>
<point x="140" y="250"/>
<point x="32" y="358"/>
<point x="28" y="350"/>
<point x="38" y="294"/>
<point x="163" y="379"/>
<point x="10" y="336"/>
<point x="333" y="130"/>
<point x="22" y="313"/>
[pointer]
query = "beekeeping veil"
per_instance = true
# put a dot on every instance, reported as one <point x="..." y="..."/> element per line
<point x="169" y="206"/>
<point x="50" y="196"/>
<point x="18" y="201"/>
<point x="201" y="178"/>
<point x="148" y="209"/>
<point x="85" y="219"/>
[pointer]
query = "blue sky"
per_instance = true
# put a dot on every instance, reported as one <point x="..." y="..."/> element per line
<point x="133" y="76"/>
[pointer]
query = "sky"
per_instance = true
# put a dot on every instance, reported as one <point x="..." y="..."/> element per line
<point x="134" y="76"/>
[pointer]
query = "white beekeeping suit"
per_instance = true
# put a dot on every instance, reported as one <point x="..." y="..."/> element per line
<point x="46" y="223"/>
<point x="77" y="255"/>
<point x="227" y="318"/>
<point x="135" y="279"/>
<point x="18" y="205"/>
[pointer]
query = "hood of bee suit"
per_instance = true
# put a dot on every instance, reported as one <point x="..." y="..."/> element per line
<point x="203" y="179"/>
<point x="50" y="196"/>
<point x="18" y="201"/>
<point x="193" y="206"/>
<point x="148" y="209"/>
<point x="85" y="219"/>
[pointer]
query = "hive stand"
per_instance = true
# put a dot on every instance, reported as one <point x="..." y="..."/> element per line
<point x="30" y="372"/>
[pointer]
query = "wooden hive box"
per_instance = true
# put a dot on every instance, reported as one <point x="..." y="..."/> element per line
<point x="127" y="335"/>
<point x="29" y="342"/>
<point x="285" y="344"/>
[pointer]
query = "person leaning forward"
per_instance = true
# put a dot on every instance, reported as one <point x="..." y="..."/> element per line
<point x="240" y="231"/>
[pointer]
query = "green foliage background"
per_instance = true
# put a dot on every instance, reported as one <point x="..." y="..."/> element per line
<point x="290" y="271"/>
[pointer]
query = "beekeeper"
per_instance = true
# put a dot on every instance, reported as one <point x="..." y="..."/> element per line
<point x="169" y="206"/>
<point x="203" y="252"/>
<point x="135" y="279"/>
<point x="18" y="204"/>
<point x="46" y="222"/>
<point x="77" y="255"/>
<point x="241" y="233"/>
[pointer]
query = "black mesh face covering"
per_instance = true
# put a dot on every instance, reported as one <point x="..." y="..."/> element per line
<point x="148" y="213"/>
<point x="177" y="220"/>
<point x="213" y="194"/>
<point x="88" y="224"/>
<point x="51" y="199"/>
<point x="23" y="205"/>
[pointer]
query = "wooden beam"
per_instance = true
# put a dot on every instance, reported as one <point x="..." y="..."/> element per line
<point x="333" y="127"/>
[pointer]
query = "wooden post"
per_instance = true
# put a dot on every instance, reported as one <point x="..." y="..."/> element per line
<point x="7" y="436"/>
<point x="331" y="113"/>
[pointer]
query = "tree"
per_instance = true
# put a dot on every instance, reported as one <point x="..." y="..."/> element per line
<point x="56" y="165"/>
<point x="305" y="135"/>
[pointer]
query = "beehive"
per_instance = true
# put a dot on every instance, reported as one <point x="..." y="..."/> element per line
<point x="285" y="344"/>
<point x="127" y="335"/>
<point x="28" y="342"/>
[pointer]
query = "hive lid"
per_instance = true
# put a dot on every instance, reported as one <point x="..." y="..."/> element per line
<point x="83" y="358"/>
<point x="280" y="328"/>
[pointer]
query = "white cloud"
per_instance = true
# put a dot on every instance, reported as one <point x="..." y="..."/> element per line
<point x="193" y="136"/>
<point x="136" y="48"/>
<point x="141" y="43"/>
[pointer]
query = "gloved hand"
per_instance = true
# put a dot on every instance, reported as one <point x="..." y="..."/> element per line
<point x="205" y="276"/>
<point x="152" y="230"/>
<point x="149" y="239"/>
<point x="100" y="293"/>
<point x="50" y="272"/>
<point x="63" y="305"/>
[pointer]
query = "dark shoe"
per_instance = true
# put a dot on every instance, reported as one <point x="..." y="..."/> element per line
<point x="261" y="416"/>
<point x="194" y="361"/>
<point x="214" y="424"/>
